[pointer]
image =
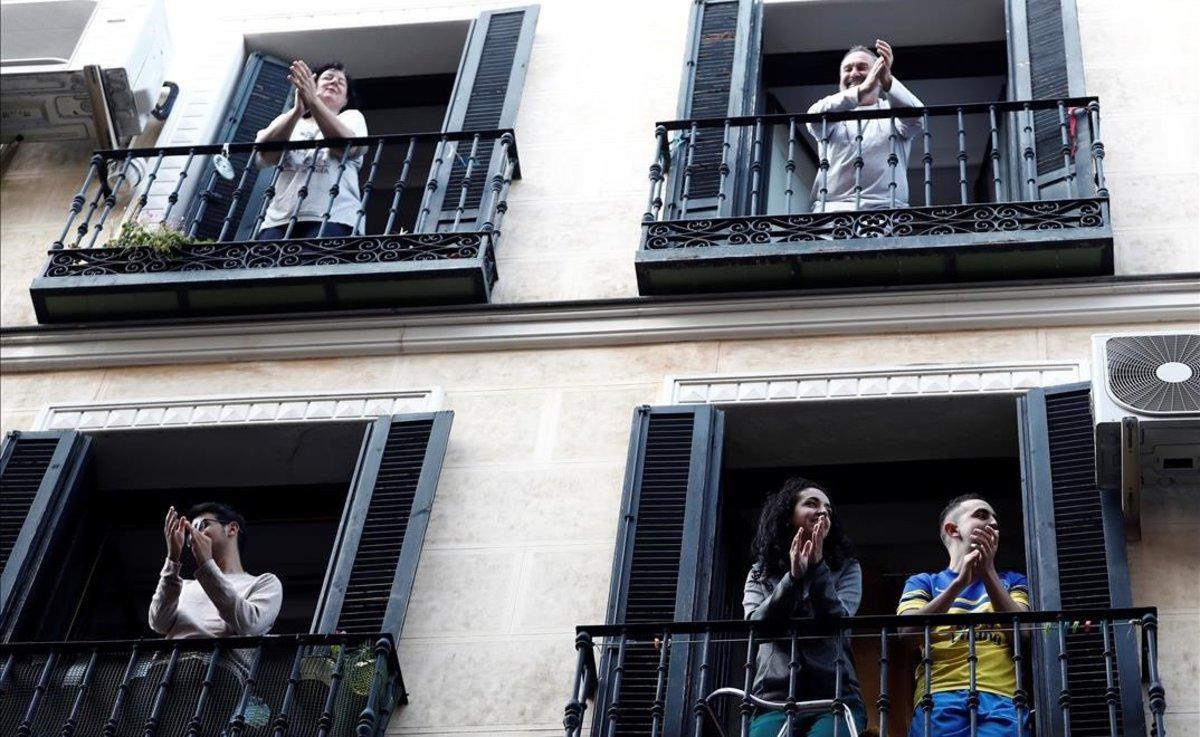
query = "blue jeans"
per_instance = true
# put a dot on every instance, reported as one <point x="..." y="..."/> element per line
<point x="997" y="717"/>
<point x="305" y="229"/>
<point x="770" y="723"/>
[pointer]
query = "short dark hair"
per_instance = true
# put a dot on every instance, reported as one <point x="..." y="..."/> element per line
<point x="223" y="513"/>
<point x="954" y="504"/>
<point x="351" y="97"/>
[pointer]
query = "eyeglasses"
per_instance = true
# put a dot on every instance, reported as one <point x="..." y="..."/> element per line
<point x="205" y="523"/>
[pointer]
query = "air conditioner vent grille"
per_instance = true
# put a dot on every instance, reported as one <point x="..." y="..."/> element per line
<point x="1155" y="374"/>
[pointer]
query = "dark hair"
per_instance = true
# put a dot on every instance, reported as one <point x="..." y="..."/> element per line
<point x="773" y="539"/>
<point x="860" y="47"/>
<point x="223" y="513"/>
<point x="351" y="97"/>
<point x="954" y="504"/>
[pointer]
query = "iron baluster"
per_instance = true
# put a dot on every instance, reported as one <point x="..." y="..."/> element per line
<point x="1093" y="113"/>
<point x="689" y="155"/>
<point x="160" y="695"/>
<point x="334" y="190"/>
<point x="302" y="193"/>
<point x="1030" y="155"/>
<point x="205" y="196"/>
<point x="926" y="704"/>
<point x="789" y="188"/>
<point x="236" y="197"/>
<point x="962" y="158"/>
<point x="497" y="183"/>
<point x="658" y="708"/>
<point x="325" y="721"/>
<point x="884" y="702"/>
<point x="1112" y="697"/>
<point x="1064" y="129"/>
<point x="972" y="683"/>
<point x="400" y="185"/>
<point x="723" y="170"/>
<point x="838" y="707"/>
<point x="35" y="699"/>
<point x="858" y="164"/>
<point x="502" y="204"/>
<point x="701" y="704"/>
<point x="210" y="676"/>
<point x="368" y="187"/>
<point x="756" y="166"/>
<point x="150" y="179"/>
<point x="994" y="132"/>
<point x="237" y="723"/>
<point x="283" y="720"/>
<point x="110" y="200"/>
<point x="173" y="198"/>
<point x="657" y="170"/>
<point x="465" y="187"/>
<point x="747" y="707"/>
<point x="85" y="685"/>
<point x="85" y="224"/>
<point x="927" y="157"/>
<point x="118" y="709"/>
<point x="79" y="200"/>
<point x="431" y="185"/>
<point x="1155" y="692"/>
<point x="893" y="160"/>
<point x="614" y="704"/>
<point x="791" y="710"/>
<point x="268" y="196"/>
<point x="1064" y="695"/>
<point x="368" y="719"/>
<point x="577" y="706"/>
<point x="1020" y="697"/>
<point x="823" y="195"/>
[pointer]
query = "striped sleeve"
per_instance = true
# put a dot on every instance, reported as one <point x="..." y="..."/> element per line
<point x="1018" y="588"/>
<point x="918" y="591"/>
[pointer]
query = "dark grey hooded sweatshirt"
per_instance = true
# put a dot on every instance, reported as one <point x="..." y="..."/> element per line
<point x="821" y="593"/>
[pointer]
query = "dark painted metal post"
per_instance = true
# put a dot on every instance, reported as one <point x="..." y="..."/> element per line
<point x="1030" y="155"/>
<point x="689" y="155"/>
<point x="963" y="195"/>
<point x="283" y="720"/>
<point x="205" y="196"/>
<point x="747" y="707"/>
<point x="972" y="683"/>
<point x="791" y="710"/>
<point x="173" y="198"/>
<point x="497" y="187"/>
<point x="1064" y="696"/>
<point x="1112" y="697"/>
<point x="838" y="708"/>
<point x="82" y="230"/>
<point x="893" y="160"/>
<point x="160" y="695"/>
<point x="465" y="187"/>
<point x="400" y="185"/>
<point x="431" y="184"/>
<point x="573" y="714"/>
<point x="1064" y="129"/>
<point x="334" y="190"/>
<point x="238" y="192"/>
<point x="325" y="721"/>
<point x="756" y="166"/>
<point x="368" y="187"/>
<point x="723" y="171"/>
<point x="994" y="132"/>
<point x="1155" y="692"/>
<point x="790" y="168"/>
<point x="657" y="170"/>
<point x="858" y="164"/>
<point x="884" y="702"/>
<point x="659" y="707"/>
<point x="85" y="685"/>
<point x="701" y="703"/>
<point x="927" y="157"/>
<point x="78" y="201"/>
<point x="1093" y="112"/>
<point x="35" y="699"/>
<point x="614" y="704"/>
<point x="823" y="192"/>
<point x="206" y="687"/>
<point x="1020" y="697"/>
<point x="144" y="197"/>
<point x="237" y="724"/>
<point x="110" y="201"/>
<point x="118" y="708"/>
<point x="502" y="204"/>
<point x="302" y="193"/>
<point x="268" y="196"/>
<point x="369" y="717"/>
<point x="926" y="704"/>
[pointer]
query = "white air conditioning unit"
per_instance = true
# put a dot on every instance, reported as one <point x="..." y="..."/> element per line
<point x="80" y="69"/>
<point x="1146" y="406"/>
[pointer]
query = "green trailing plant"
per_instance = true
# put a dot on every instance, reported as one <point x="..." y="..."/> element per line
<point x="155" y="236"/>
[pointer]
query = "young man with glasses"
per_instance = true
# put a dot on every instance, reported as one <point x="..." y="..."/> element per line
<point x="223" y="600"/>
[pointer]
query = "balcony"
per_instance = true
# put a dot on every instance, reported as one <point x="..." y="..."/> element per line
<point x="693" y="677"/>
<point x="1007" y="190"/>
<point x="414" y="242"/>
<point x="329" y="685"/>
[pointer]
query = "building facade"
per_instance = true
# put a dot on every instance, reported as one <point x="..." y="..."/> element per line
<point x="475" y="444"/>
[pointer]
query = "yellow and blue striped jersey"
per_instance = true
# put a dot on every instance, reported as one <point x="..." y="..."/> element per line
<point x="994" y="670"/>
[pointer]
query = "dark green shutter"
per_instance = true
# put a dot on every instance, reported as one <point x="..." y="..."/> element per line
<point x="261" y="95"/>
<point x="39" y="474"/>
<point x="1045" y="64"/>
<point x="487" y="93"/>
<point x="721" y="78"/>
<point x="379" y="543"/>
<point x="1075" y="549"/>
<point x="662" y="560"/>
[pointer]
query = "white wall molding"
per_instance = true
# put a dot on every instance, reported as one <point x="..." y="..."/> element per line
<point x="901" y="381"/>
<point x="619" y="322"/>
<point x="236" y="410"/>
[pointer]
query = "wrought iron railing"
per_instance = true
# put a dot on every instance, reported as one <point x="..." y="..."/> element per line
<point x="458" y="198"/>
<point x="741" y="167"/>
<point x="640" y="690"/>
<point x="325" y="685"/>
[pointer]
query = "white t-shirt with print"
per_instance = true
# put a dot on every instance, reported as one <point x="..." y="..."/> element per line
<point x="294" y="170"/>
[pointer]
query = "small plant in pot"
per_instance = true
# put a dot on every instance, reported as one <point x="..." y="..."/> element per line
<point x="158" y="237"/>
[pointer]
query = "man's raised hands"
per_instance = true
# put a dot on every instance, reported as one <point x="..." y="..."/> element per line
<point x="884" y="49"/>
<point x="174" y="530"/>
<point x="868" y="89"/>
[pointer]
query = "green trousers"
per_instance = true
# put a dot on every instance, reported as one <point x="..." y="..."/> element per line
<point x="771" y="723"/>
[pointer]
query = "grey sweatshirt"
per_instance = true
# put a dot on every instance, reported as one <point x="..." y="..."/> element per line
<point x="821" y="593"/>
<point x="876" y="147"/>
<point x="214" y="604"/>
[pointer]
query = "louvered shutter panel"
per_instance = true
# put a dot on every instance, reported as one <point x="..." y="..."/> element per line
<point x="721" y="78"/>
<point x="1044" y="55"/>
<point x="383" y="528"/>
<point x="487" y="92"/>
<point x="1075" y="548"/>
<point x="261" y="95"/>
<point x="39" y="474"/>
<point x="663" y="555"/>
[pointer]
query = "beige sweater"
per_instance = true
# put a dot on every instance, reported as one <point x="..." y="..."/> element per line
<point x="214" y="604"/>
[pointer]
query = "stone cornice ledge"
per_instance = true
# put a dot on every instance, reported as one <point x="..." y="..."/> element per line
<point x="619" y="322"/>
